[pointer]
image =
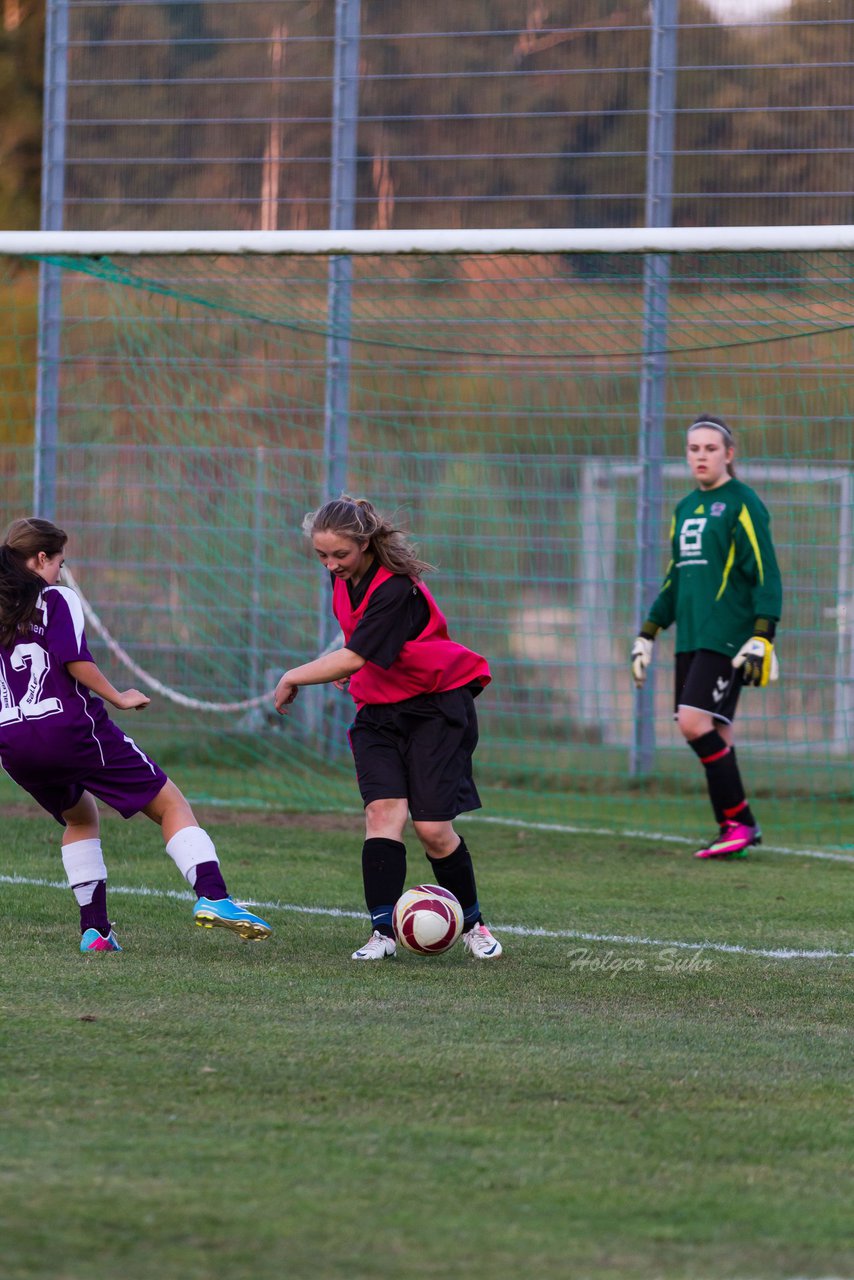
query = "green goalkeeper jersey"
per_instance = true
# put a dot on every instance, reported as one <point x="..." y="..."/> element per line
<point x="723" y="572"/>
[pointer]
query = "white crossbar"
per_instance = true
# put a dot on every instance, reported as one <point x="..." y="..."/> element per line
<point x="550" y="240"/>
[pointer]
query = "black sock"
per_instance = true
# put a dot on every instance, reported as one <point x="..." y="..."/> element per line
<point x="723" y="779"/>
<point x="209" y="882"/>
<point x="384" y="875"/>
<point x="713" y="798"/>
<point x="456" y="874"/>
<point x="742" y="813"/>
<point x="94" y="914"/>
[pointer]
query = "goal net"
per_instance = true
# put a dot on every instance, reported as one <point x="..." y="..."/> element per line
<point x="508" y="405"/>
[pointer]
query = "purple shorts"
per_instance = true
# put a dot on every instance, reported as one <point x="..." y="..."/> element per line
<point x="127" y="780"/>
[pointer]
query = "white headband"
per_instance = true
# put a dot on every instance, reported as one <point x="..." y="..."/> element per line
<point x="715" y="426"/>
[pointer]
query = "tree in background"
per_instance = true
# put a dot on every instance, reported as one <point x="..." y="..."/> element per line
<point x="21" y="85"/>
<point x="501" y="113"/>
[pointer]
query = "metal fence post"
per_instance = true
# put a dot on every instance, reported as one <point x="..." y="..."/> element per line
<point x="253" y="720"/>
<point x="50" y="276"/>
<point x="342" y="205"/>
<point x="656" y="297"/>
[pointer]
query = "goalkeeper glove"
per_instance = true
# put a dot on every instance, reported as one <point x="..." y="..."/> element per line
<point x="756" y="658"/>
<point x="642" y="652"/>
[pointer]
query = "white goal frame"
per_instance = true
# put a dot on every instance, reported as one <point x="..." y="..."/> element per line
<point x="677" y="240"/>
<point x="657" y="243"/>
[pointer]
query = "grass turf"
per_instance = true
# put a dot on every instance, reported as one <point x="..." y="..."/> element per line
<point x="199" y="1108"/>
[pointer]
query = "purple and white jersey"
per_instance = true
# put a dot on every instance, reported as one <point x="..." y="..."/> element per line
<point x="47" y="719"/>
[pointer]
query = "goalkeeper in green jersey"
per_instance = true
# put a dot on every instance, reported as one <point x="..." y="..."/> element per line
<point x="722" y="589"/>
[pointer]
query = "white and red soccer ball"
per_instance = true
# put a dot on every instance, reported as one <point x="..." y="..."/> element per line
<point x="427" y="919"/>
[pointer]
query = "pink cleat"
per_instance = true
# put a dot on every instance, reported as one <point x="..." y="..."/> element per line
<point x="733" y="842"/>
<point x="92" y="940"/>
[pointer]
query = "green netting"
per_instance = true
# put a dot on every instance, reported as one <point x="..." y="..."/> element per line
<point x="494" y="403"/>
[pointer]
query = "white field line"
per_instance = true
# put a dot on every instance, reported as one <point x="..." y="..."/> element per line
<point x="658" y="836"/>
<point x="527" y="824"/>
<point x="522" y="931"/>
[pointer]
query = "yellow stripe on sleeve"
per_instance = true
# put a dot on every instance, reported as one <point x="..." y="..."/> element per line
<point x="730" y="561"/>
<point x="747" y="524"/>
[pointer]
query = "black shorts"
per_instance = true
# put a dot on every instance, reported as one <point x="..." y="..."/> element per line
<point x="707" y="681"/>
<point x="419" y="750"/>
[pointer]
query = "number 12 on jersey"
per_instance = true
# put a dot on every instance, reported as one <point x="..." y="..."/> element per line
<point x="32" y="706"/>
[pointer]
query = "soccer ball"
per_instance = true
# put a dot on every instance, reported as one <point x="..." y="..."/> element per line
<point x="427" y="919"/>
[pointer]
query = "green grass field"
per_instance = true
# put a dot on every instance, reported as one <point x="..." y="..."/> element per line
<point x="613" y="1106"/>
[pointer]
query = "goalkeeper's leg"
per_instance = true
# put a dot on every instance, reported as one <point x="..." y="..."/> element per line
<point x="738" y="829"/>
<point x="723" y="777"/>
<point x="706" y="703"/>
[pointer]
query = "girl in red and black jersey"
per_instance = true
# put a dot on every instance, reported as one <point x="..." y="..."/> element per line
<point x="416" y="726"/>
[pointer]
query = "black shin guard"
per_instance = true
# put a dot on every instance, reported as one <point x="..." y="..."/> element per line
<point x="456" y="874"/>
<point x="723" y="779"/>
<point x="384" y="876"/>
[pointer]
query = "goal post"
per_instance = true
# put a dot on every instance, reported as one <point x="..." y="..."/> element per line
<point x="494" y="386"/>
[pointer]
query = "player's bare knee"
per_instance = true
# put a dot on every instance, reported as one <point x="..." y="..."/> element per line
<point x="438" y="838"/>
<point x="385" y="819"/>
<point x="692" y="723"/>
<point x="82" y="820"/>
<point x="170" y="808"/>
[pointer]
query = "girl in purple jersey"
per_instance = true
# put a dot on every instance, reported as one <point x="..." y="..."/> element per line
<point x="59" y="744"/>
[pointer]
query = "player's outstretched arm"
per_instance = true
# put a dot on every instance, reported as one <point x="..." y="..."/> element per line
<point x="93" y="678"/>
<point x="339" y="665"/>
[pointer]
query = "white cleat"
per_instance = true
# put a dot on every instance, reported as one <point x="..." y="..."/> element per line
<point x="479" y="942"/>
<point x="378" y="947"/>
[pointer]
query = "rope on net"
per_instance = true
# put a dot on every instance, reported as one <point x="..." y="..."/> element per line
<point x="181" y="699"/>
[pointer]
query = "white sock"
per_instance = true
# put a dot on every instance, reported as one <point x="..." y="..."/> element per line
<point x="84" y="893"/>
<point x="188" y="848"/>
<point x="84" y="865"/>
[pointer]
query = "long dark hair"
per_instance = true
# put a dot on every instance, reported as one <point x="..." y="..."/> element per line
<point x="359" y="520"/>
<point x="20" y="588"/>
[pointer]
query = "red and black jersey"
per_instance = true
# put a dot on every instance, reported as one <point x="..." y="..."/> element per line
<point x="431" y="662"/>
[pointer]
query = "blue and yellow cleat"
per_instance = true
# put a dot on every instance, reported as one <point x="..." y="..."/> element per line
<point x="225" y="913"/>
<point x="93" y="940"/>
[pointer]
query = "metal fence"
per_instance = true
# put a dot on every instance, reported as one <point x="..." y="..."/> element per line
<point x="265" y="113"/>
<point x="289" y="114"/>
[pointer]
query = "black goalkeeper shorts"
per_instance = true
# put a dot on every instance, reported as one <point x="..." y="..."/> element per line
<point x="707" y="681"/>
<point x="419" y="750"/>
